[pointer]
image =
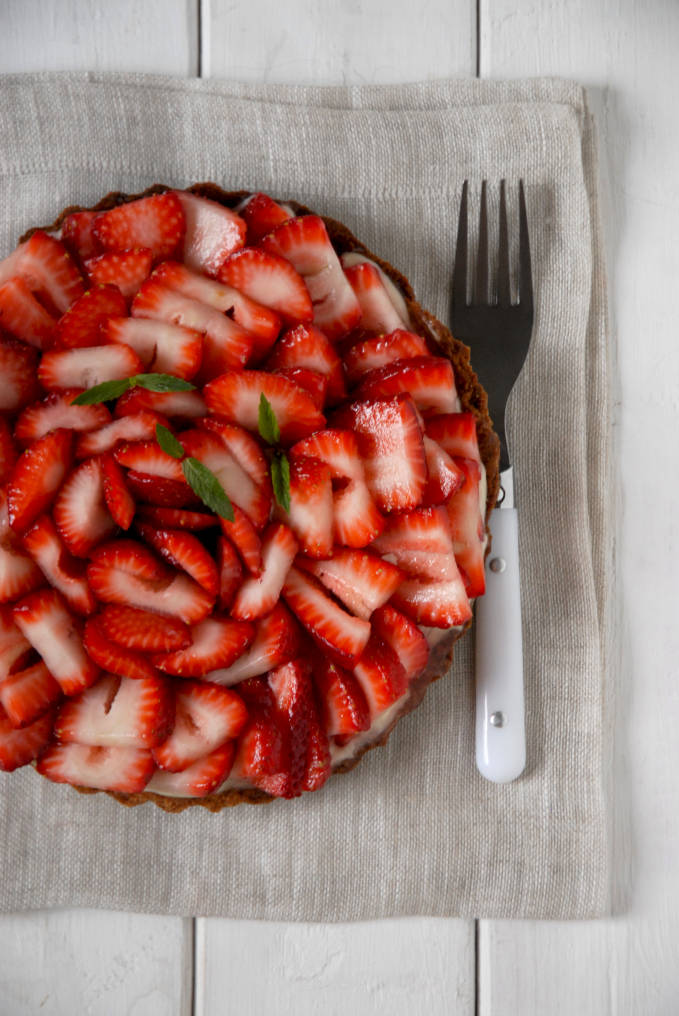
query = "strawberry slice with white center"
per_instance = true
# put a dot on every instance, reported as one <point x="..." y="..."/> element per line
<point x="125" y="269"/>
<point x="77" y="234"/>
<point x="18" y="747"/>
<point x="156" y="222"/>
<point x="311" y="506"/>
<point x="315" y="384"/>
<point x="123" y="770"/>
<point x="444" y="477"/>
<point x="390" y="443"/>
<point x="335" y="630"/>
<point x="244" y="447"/>
<point x="305" y="243"/>
<point x="456" y="433"/>
<point x="236" y="397"/>
<point x="261" y="214"/>
<point x="18" y="368"/>
<point x="276" y="642"/>
<point x="309" y="754"/>
<point x="421" y="543"/>
<point x="344" y="710"/>
<point x="381" y="675"/>
<point x="225" y="343"/>
<point x="64" y="572"/>
<point x="57" y="411"/>
<point x="80" y="511"/>
<point x="435" y="604"/>
<point x="135" y="427"/>
<point x="429" y="380"/>
<point x="404" y="637"/>
<point x="185" y="551"/>
<point x="148" y="457"/>
<point x="467" y="527"/>
<point x="144" y="631"/>
<point x="212" y="232"/>
<point x="118" y="712"/>
<point x="258" y="596"/>
<point x="14" y="648"/>
<point x="19" y="574"/>
<point x="112" y="657"/>
<point x="361" y="580"/>
<point x="206" y="717"/>
<point x="8" y="451"/>
<point x="85" y="368"/>
<point x="371" y="354"/>
<point x="269" y="280"/>
<point x="52" y="630"/>
<point x="209" y="449"/>
<point x="36" y="478"/>
<point x="176" y="518"/>
<point x="177" y="405"/>
<point x="80" y="326"/>
<point x="48" y="269"/>
<point x="119" y="501"/>
<point x="27" y="694"/>
<point x="378" y="313"/>
<point x="157" y="490"/>
<point x="162" y="348"/>
<point x="197" y="780"/>
<point x="307" y="346"/>
<point x="216" y="642"/>
<point x="230" y="572"/>
<point x="245" y="539"/>
<point x="263" y="759"/>
<point x="23" y="316"/>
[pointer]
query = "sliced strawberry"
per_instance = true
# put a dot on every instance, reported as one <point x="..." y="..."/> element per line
<point x="371" y="354"/>
<point x="212" y="232"/>
<point x="119" y="501"/>
<point x="344" y="710"/>
<point x="125" y="770"/>
<point x="185" y="551"/>
<point x="112" y="657"/>
<point x="162" y="348"/>
<point x="361" y="580"/>
<point x="27" y="694"/>
<point x="136" y="427"/>
<point x="80" y="511"/>
<point x="468" y="529"/>
<point x="315" y="384"/>
<point x="118" y="712"/>
<point x="236" y="397"/>
<point x="381" y="675"/>
<point x="244" y="447"/>
<point x="258" y="596"/>
<point x="305" y="243"/>
<point x="311" y="506"/>
<point x="230" y="572"/>
<point x="77" y="234"/>
<point x="197" y="780"/>
<point x="23" y="316"/>
<point x="444" y="477"/>
<point x="206" y="717"/>
<point x="269" y="280"/>
<point x="378" y="313"/>
<point x="262" y="759"/>
<point x="125" y="269"/>
<point x="429" y="380"/>
<point x="18" y="572"/>
<point x="60" y="568"/>
<point x="306" y="346"/>
<point x="435" y="604"/>
<point x="19" y="747"/>
<point x="177" y="405"/>
<point x="18" y="369"/>
<point x="14" y="648"/>
<point x="148" y="457"/>
<point x="80" y="326"/>
<point x="404" y="637"/>
<point x="8" y="451"/>
<point x="217" y="642"/>
<point x="141" y="630"/>
<point x="176" y="518"/>
<point x="48" y="270"/>
<point x="293" y="692"/>
<point x="245" y="539"/>
<point x="456" y="433"/>
<point x="156" y="222"/>
<point x="276" y="642"/>
<point x="391" y="446"/>
<point x="261" y="214"/>
<point x="157" y="490"/>
<point x="85" y="368"/>
<point x="36" y="477"/>
<point x="421" y="543"/>
<point x="49" y="626"/>
<point x="335" y="631"/>
<point x="57" y="411"/>
<point x="209" y="449"/>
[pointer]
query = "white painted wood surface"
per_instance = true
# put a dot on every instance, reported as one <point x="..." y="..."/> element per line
<point x="103" y="962"/>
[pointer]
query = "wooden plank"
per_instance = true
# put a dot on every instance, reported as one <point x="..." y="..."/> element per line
<point x="95" y="962"/>
<point x="627" y="53"/>
<point x="156" y="36"/>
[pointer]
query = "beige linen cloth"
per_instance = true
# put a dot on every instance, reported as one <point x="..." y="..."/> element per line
<point x="414" y="829"/>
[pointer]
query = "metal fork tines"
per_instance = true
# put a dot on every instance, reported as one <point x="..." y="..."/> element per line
<point x="497" y="332"/>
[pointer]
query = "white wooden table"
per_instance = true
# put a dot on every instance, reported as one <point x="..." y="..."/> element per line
<point x="117" y="964"/>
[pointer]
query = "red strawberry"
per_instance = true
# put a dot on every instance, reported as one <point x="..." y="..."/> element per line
<point x="156" y="222"/>
<point x="77" y="234"/>
<point x="136" y="427"/>
<point x="456" y="433"/>
<point x="64" y="572"/>
<point x="305" y="243"/>
<point x="80" y="511"/>
<point x="119" y="501"/>
<point x="243" y="536"/>
<point x="125" y="269"/>
<point x="421" y="543"/>
<point x="344" y="637"/>
<point x="141" y="630"/>
<point x="429" y="380"/>
<point x="57" y="411"/>
<point x="261" y="214"/>
<point x="23" y="316"/>
<point x="311" y="506"/>
<point x="148" y="457"/>
<point x="18" y="572"/>
<point x="306" y="346"/>
<point x="47" y="269"/>
<point x="244" y="447"/>
<point x="444" y="477"/>
<point x="293" y="692"/>
<point x="27" y="694"/>
<point x="230" y="572"/>
<point x="217" y="642"/>
<point x="435" y="604"/>
<point x="185" y="551"/>
<point x="19" y="747"/>
<point x="258" y="596"/>
<point x="344" y="710"/>
<point x="8" y="451"/>
<point x="14" y="648"/>
<point x="18" y="368"/>
<point x="381" y="675"/>
<point x="313" y="383"/>
<point x="236" y="397"/>
<point x="262" y="758"/>
<point x="125" y="770"/>
<point x="269" y="280"/>
<point x="36" y="477"/>
<point x="158" y="490"/>
<point x="378" y="313"/>
<point x="49" y="626"/>
<point x="163" y="348"/>
<point x="370" y="354"/>
<point x="85" y="368"/>
<point x="197" y="780"/>
<point x="209" y="449"/>
<point x="80" y="326"/>
<point x="118" y="712"/>
<point x="404" y="637"/>
<point x="468" y="529"/>
<point x="113" y="657"/>
<point x="212" y="232"/>
<point x="206" y="717"/>
<point x="179" y="405"/>
<point x="276" y="642"/>
<point x="361" y="580"/>
<point x="176" y="518"/>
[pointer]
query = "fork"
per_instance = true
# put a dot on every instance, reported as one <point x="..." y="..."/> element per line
<point x="498" y="334"/>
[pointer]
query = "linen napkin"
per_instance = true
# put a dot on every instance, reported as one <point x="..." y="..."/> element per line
<point x="414" y="829"/>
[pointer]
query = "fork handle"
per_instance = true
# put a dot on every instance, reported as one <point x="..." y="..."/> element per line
<point x="500" y="724"/>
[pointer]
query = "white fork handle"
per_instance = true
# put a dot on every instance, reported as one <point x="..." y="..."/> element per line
<point x="500" y="723"/>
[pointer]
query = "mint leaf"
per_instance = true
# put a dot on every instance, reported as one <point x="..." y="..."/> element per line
<point x="168" y="442"/>
<point x="104" y="392"/>
<point x="268" y="424"/>
<point x="160" y="383"/>
<point x="205" y="484"/>
<point x="280" y="478"/>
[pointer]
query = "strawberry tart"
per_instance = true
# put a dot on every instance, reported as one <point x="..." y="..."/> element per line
<point x="244" y="485"/>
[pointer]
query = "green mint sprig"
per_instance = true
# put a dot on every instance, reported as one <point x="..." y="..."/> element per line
<point x="109" y="390"/>
<point x="279" y="466"/>
<point x="200" y="479"/>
